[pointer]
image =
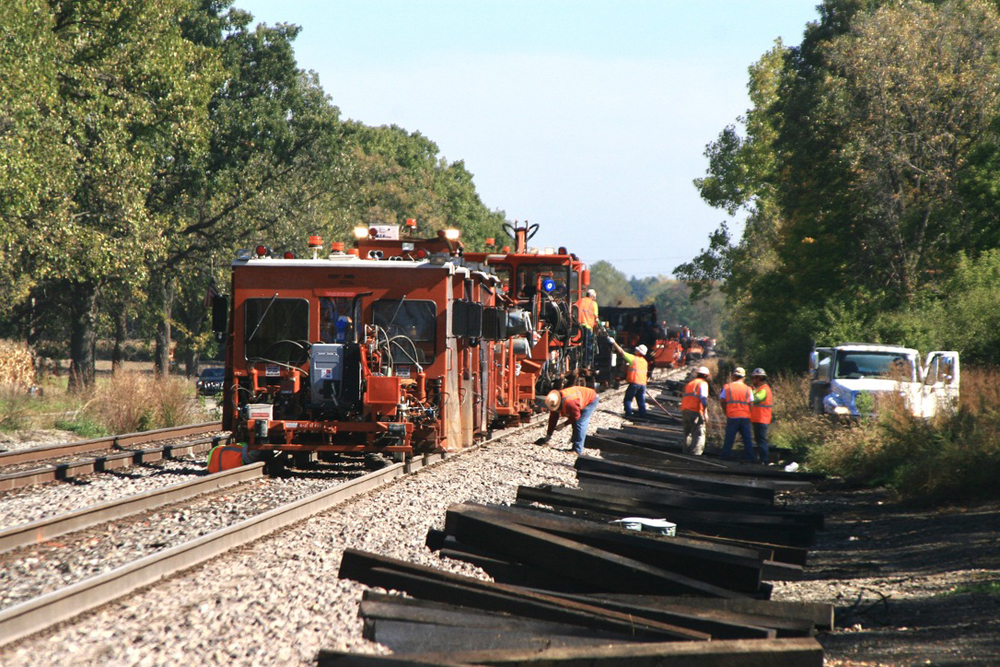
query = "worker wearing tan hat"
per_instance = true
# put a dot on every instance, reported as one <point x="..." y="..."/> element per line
<point x="636" y="374"/>
<point x="736" y="399"/>
<point x="577" y="404"/>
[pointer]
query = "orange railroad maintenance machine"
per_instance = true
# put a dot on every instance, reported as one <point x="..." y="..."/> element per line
<point x="399" y="345"/>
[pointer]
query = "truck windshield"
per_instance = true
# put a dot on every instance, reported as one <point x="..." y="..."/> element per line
<point x="891" y="365"/>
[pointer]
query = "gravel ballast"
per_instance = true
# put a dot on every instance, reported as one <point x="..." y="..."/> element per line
<point x="44" y="501"/>
<point x="32" y="571"/>
<point x="279" y="600"/>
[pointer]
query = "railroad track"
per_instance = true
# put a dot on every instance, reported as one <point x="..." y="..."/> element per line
<point x="37" y="614"/>
<point x="47" y="463"/>
<point x="36" y="532"/>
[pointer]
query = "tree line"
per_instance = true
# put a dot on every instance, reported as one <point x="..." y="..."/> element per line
<point x="143" y="141"/>
<point x="866" y="176"/>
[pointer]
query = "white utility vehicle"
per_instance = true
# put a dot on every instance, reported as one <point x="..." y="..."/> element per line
<point x="853" y="379"/>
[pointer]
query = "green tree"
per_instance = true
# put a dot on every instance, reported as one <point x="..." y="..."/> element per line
<point x="867" y="164"/>
<point x="611" y="286"/>
<point x="917" y="88"/>
<point x="35" y="162"/>
<point x="127" y="82"/>
<point x="398" y="175"/>
<point x="265" y="175"/>
<point x="743" y="178"/>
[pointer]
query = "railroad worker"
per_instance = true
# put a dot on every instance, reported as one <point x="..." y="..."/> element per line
<point x="577" y="404"/>
<point x="636" y="376"/>
<point x="760" y="412"/>
<point x="587" y="314"/>
<point x="588" y="311"/>
<point x="694" y="411"/>
<point x="736" y="398"/>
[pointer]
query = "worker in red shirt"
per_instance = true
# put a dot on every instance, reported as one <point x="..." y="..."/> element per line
<point x="577" y="404"/>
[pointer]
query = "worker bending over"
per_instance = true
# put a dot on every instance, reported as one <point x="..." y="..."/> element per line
<point x="574" y="403"/>
<point x="636" y="376"/>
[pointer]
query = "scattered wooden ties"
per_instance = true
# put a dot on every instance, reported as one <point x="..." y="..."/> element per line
<point x="572" y="586"/>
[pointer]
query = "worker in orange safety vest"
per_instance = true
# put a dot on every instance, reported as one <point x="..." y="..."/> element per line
<point x="760" y="412"/>
<point x="636" y="373"/>
<point x="587" y="314"/>
<point x="588" y="311"/>
<point x="736" y="398"/>
<point x="694" y="412"/>
<point x="577" y="404"/>
<point x="227" y="457"/>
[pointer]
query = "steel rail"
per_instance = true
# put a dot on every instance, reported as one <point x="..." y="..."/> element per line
<point x="35" y="615"/>
<point x="110" y="442"/>
<point x="68" y="470"/>
<point x="45" y="529"/>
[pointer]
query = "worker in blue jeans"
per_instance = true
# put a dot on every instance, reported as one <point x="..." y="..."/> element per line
<point x="637" y="370"/>
<point x="577" y="404"/>
<point x="736" y="398"/>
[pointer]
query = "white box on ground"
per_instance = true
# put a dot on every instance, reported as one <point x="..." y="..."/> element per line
<point x="659" y="526"/>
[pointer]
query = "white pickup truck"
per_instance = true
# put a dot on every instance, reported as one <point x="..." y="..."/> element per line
<point x="850" y="380"/>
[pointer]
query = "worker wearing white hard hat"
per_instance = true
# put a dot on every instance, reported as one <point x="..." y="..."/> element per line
<point x="736" y="398"/>
<point x="636" y="374"/>
<point x="694" y="412"/>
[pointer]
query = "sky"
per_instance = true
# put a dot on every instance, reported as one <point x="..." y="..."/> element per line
<point x="588" y="117"/>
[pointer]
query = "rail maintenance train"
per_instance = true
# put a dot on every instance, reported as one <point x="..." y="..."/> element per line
<point x="399" y="345"/>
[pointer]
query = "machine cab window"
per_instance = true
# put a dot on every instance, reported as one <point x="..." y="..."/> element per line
<point x="410" y="328"/>
<point x="337" y="319"/>
<point x="276" y="330"/>
<point x="503" y="272"/>
<point x="551" y="279"/>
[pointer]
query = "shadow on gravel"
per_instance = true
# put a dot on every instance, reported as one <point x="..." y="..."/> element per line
<point x="868" y="535"/>
<point x="941" y="630"/>
<point x="910" y="585"/>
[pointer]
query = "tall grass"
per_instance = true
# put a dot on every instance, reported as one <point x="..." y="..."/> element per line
<point x="795" y="425"/>
<point x="15" y="407"/>
<point x="953" y="457"/>
<point x="131" y="402"/>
